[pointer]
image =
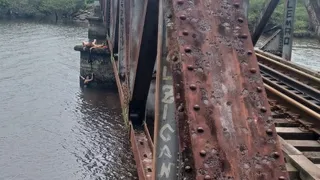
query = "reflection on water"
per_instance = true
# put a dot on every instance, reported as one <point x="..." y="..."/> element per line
<point x="49" y="128"/>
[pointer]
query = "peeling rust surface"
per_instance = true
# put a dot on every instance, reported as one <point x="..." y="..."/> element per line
<point x="142" y="149"/>
<point x="223" y="125"/>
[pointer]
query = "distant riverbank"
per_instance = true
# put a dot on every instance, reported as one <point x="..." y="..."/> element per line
<point x="47" y="10"/>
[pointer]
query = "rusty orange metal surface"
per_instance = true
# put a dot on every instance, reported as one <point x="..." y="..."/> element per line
<point x="223" y="113"/>
<point x="142" y="149"/>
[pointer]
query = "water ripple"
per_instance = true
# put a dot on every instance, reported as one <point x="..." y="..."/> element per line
<point x="49" y="128"/>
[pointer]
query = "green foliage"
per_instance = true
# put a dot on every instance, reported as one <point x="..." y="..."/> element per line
<point x="301" y="16"/>
<point x="32" y="7"/>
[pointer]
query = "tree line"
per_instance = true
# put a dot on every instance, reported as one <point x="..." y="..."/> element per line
<point x="31" y="8"/>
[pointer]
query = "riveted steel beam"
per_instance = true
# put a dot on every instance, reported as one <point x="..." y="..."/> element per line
<point x="223" y="115"/>
<point x="138" y="13"/>
<point x="166" y="151"/>
<point x="146" y="60"/>
<point x="113" y="31"/>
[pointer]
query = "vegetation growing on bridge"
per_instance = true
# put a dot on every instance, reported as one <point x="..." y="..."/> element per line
<point x="33" y="8"/>
<point x="301" y="17"/>
<point x="67" y="8"/>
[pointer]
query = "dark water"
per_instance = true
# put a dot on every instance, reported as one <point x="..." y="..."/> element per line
<point x="49" y="128"/>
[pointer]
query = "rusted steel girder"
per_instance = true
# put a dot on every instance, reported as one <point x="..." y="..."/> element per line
<point x="223" y="119"/>
<point x="270" y="6"/>
<point x="138" y="13"/>
<point x="113" y="27"/>
<point x="166" y="152"/>
<point x="146" y="60"/>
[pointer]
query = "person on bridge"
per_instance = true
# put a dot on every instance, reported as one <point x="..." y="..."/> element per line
<point x="87" y="80"/>
<point x="93" y="45"/>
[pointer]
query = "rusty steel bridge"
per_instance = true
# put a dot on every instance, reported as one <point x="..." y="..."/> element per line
<point x="201" y="102"/>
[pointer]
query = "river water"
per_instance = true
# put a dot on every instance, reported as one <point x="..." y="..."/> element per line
<point x="49" y="128"/>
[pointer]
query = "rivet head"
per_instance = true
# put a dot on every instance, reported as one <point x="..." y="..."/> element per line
<point x="263" y="109"/>
<point x="240" y="20"/>
<point x="259" y="89"/>
<point x="282" y="178"/>
<point x="196" y="107"/>
<point x="249" y="52"/>
<point x="276" y="155"/>
<point x="185" y="33"/>
<point x="187" y="168"/>
<point x="203" y="153"/>
<point x="190" y="67"/>
<point x="253" y="70"/>
<point x="200" y="130"/>
<point x="187" y="49"/>
<point x="206" y="177"/>
<point x="269" y="131"/>
<point x="193" y="87"/>
<point x="243" y="36"/>
<point x="237" y="5"/>
<point x="180" y="2"/>
<point x="174" y="58"/>
<point x="183" y="17"/>
<point x="181" y="108"/>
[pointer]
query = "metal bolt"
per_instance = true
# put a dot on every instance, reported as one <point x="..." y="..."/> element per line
<point x="203" y="153"/>
<point x="207" y="177"/>
<point x="180" y="2"/>
<point x="200" y="130"/>
<point x="190" y="67"/>
<point x="240" y="20"/>
<point x="174" y="58"/>
<point x="259" y="89"/>
<point x="193" y="87"/>
<point x="187" y="168"/>
<point x="253" y="70"/>
<point x="180" y="108"/>
<point x="249" y="52"/>
<point x="185" y="32"/>
<point x="244" y="36"/>
<point x="282" y="178"/>
<point x="276" y="155"/>
<point x="263" y="109"/>
<point x="269" y="131"/>
<point x="183" y="17"/>
<point x="187" y="49"/>
<point x="196" y="107"/>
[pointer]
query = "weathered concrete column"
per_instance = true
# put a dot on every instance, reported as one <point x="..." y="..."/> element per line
<point x="97" y="62"/>
<point x="288" y="28"/>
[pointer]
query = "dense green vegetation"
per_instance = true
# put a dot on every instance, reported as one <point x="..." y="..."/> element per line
<point x="66" y="8"/>
<point x="31" y="8"/>
<point x="301" y="17"/>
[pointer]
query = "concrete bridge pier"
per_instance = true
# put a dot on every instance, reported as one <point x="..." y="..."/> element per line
<point x="98" y="61"/>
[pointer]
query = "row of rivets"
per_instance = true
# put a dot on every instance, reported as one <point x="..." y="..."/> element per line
<point x="259" y="89"/>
